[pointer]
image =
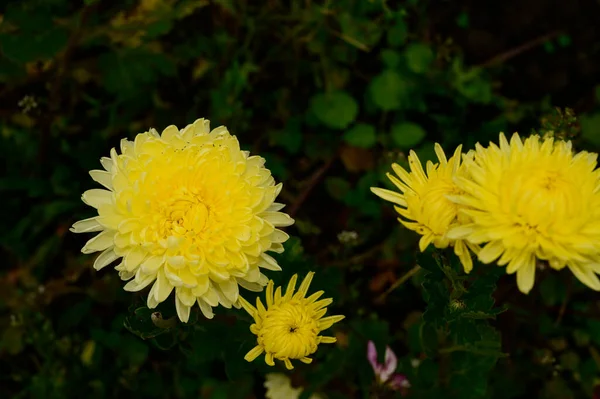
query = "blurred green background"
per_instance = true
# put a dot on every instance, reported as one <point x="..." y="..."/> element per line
<point x="330" y="93"/>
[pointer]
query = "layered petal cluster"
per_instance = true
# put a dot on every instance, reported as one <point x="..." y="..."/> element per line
<point x="533" y="200"/>
<point x="290" y="324"/>
<point x="423" y="202"/>
<point x="186" y="211"/>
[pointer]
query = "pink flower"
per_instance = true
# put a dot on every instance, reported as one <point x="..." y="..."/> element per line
<point x="386" y="372"/>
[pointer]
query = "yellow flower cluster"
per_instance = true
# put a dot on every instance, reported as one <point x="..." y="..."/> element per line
<point x="188" y="211"/>
<point x="517" y="203"/>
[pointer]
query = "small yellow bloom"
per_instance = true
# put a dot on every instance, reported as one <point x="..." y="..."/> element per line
<point x="186" y="211"/>
<point x="531" y="200"/>
<point x="289" y="326"/>
<point x="423" y="201"/>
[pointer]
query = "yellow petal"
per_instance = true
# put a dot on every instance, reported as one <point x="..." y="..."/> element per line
<point x="230" y="289"/>
<point x="86" y="226"/>
<point x="254" y="353"/>
<point x="101" y="242"/>
<point x="183" y="311"/>
<point x="105" y="258"/>
<point x="97" y="197"/>
<point x="305" y="284"/>
<point x="103" y="177"/>
<point x="526" y="277"/>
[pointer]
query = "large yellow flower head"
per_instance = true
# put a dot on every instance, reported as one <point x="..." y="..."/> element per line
<point x="186" y="210"/>
<point x="533" y="200"/>
<point x="423" y="201"/>
<point x="289" y="326"/>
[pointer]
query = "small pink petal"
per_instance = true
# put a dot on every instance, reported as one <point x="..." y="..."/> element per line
<point x="398" y="382"/>
<point x="372" y="356"/>
<point x="389" y="367"/>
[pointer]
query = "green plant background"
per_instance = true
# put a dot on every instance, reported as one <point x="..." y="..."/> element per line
<point x="330" y="93"/>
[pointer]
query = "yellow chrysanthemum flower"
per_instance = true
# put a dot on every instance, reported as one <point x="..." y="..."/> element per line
<point x="289" y="326"/>
<point x="423" y="201"/>
<point x="186" y="210"/>
<point x="533" y="200"/>
<point x="279" y="386"/>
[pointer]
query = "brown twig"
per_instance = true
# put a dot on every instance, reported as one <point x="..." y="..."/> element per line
<point x="398" y="283"/>
<point x="356" y="259"/>
<point x="310" y="185"/>
<point x="507" y="55"/>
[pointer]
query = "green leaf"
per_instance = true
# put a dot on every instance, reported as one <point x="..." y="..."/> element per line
<point x="158" y="28"/>
<point x="290" y="138"/>
<point x="564" y="40"/>
<point x="361" y="31"/>
<point x="361" y="135"/>
<point x="419" y="57"/>
<point x="389" y="90"/>
<point x="397" y="34"/>
<point x="390" y="58"/>
<point x="27" y="19"/>
<point x="73" y="315"/>
<point x="427" y="373"/>
<point x="29" y="46"/>
<point x="590" y="128"/>
<point x="428" y="338"/>
<point x="337" y="187"/>
<point x="336" y="110"/>
<point x="126" y="74"/>
<point x="134" y="350"/>
<point x="12" y="340"/>
<point x="463" y="20"/>
<point x="553" y="290"/>
<point x="139" y="322"/>
<point x="407" y="135"/>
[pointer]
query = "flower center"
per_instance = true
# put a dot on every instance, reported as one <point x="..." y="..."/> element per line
<point x="551" y="182"/>
<point x="185" y="214"/>
<point x="289" y="330"/>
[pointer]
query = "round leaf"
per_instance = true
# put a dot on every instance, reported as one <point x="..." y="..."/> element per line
<point x="419" y="57"/>
<point x="407" y="134"/>
<point x="389" y="90"/>
<point x="397" y="34"/>
<point x="337" y="187"/>
<point x="335" y="110"/>
<point x="361" y="135"/>
<point x="390" y="58"/>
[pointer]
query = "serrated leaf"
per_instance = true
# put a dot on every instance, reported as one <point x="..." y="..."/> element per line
<point x="361" y="135"/>
<point x="336" y="110"/>
<point x="407" y="135"/>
